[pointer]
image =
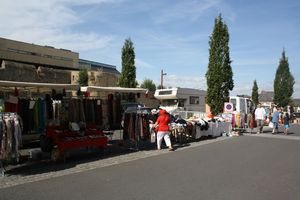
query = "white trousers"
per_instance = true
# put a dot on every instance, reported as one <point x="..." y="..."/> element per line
<point x="163" y="135"/>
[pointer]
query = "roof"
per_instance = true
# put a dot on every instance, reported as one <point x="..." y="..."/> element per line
<point x="266" y="96"/>
<point x="113" y="89"/>
<point x="296" y="102"/>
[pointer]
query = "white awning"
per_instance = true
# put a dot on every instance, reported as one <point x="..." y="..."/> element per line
<point x="113" y="89"/>
<point x="29" y="85"/>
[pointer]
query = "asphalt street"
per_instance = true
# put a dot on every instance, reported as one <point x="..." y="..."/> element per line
<point x="253" y="166"/>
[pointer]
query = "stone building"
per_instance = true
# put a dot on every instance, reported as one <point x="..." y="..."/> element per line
<point x="25" y="62"/>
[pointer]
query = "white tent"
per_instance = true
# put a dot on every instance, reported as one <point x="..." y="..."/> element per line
<point x="113" y="89"/>
<point x="34" y="86"/>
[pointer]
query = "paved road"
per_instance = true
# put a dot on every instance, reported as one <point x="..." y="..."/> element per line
<point x="247" y="167"/>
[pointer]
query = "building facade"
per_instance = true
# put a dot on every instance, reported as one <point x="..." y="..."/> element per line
<point x="25" y="62"/>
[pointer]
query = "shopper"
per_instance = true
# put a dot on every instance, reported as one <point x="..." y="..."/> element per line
<point x="163" y="129"/>
<point x="260" y="115"/>
<point x="275" y="120"/>
<point x="286" y="123"/>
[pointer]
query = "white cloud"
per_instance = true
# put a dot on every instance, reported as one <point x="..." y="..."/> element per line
<point x="191" y="10"/>
<point x="196" y="82"/>
<point x="142" y="64"/>
<point x="254" y="62"/>
<point x="49" y="22"/>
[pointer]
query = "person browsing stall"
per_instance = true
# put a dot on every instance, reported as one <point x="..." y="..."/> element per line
<point x="163" y="129"/>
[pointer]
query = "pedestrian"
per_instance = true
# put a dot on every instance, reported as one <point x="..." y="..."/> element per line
<point x="260" y="115"/>
<point x="275" y="120"/>
<point x="286" y="123"/>
<point x="290" y="111"/>
<point x="163" y="131"/>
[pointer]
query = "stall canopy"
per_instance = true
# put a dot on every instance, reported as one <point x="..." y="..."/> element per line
<point x="113" y="89"/>
<point x="31" y="85"/>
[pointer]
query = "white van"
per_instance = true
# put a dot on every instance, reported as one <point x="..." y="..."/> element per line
<point x="241" y="104"/>
<point x="181" y="99"/>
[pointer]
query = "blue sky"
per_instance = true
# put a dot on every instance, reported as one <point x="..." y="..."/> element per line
<point x="172" y="35"/>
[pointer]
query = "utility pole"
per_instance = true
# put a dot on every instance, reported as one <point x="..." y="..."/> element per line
<point x="162" y="74"/>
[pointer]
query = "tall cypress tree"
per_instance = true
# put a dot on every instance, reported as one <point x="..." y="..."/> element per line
<point x="283" y="83"/>
<point x="219" y="74"/>
<point x="128" y="74"/>
<point x="254" y="95"/>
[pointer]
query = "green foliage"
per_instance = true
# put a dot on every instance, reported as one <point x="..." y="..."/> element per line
<point x="148" y="84"/>
<point x="128" y="74"/>
<point x="83" y="77"/>
<point x="254" y="95"/>
<point x="283" y="83"/>
<point x="219" y="74"/>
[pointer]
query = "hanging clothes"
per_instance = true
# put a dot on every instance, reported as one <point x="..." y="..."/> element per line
<point x="11" y="136"/>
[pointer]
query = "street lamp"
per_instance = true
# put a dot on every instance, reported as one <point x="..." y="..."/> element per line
<point x="162" y="74"/>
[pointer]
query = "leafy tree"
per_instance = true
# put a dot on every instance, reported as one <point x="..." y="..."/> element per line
<point x="254" y="95"/>
<point x="283" y="83"/>
<point x="148" y="84"/>
<point x="219" y="74"/>
<point x="128" y="74"/>
<point x="83" y="77"/>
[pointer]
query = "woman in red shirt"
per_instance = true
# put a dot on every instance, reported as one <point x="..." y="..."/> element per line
<point x="163" y="129"/>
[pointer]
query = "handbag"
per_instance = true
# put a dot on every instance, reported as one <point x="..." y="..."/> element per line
<point x="153" y="137"/>
<point x="271" y="125"/>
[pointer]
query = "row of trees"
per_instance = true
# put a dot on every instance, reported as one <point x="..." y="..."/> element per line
<point x="283" y="84"/>
<point x="219" y="75"/>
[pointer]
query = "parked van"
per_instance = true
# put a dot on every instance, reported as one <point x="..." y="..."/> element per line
<point x="181" y="99"/>
<point x="241" y="104"/>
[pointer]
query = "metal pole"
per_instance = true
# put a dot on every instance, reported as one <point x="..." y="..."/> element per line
<point x="162" y="74"/>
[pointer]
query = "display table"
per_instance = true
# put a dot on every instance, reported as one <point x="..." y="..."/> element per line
<point x="65" y="139"/>
<point x="215" y="129"/>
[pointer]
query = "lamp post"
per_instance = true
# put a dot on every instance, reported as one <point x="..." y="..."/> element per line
<point x="162" y="74"/>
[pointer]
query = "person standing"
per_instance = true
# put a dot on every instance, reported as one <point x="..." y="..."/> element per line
<point x="260" y="115"/>
<point x="163" y="129"/>
<point x="286" y="123"/>
<point x="275" y="120"/>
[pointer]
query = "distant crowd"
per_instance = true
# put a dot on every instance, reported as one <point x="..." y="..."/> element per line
<point x="274" y="116"/>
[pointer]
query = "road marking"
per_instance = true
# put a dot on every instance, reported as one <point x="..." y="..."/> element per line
<point x="276" y="136"/>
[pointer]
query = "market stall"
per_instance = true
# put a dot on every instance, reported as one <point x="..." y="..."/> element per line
<point x="48" y="110"/>
<point x="135" y="125"/>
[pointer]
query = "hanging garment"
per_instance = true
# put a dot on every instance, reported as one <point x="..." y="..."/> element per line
<point x="9" y="135"/>
<point x="17" y="134"/>
<point x="98" y="112"/>
<point x="3" y="149"/>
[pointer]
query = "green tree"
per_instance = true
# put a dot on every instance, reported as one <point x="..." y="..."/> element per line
<point x="128" y="74"/>
<point x="254" y="95"/>
<point x="148" y="84"/>
<point x="219" y="74"/>
<point x="283" y="83"/>
<point x="83" y="77"/>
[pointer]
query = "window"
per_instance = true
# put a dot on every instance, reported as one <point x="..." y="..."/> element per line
<point x="165" y="92"/>
<point x="194" y="100"/>
<point x="233" y="101"/>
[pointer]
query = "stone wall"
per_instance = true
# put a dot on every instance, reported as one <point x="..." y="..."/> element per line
<point x="14" y="71"/>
